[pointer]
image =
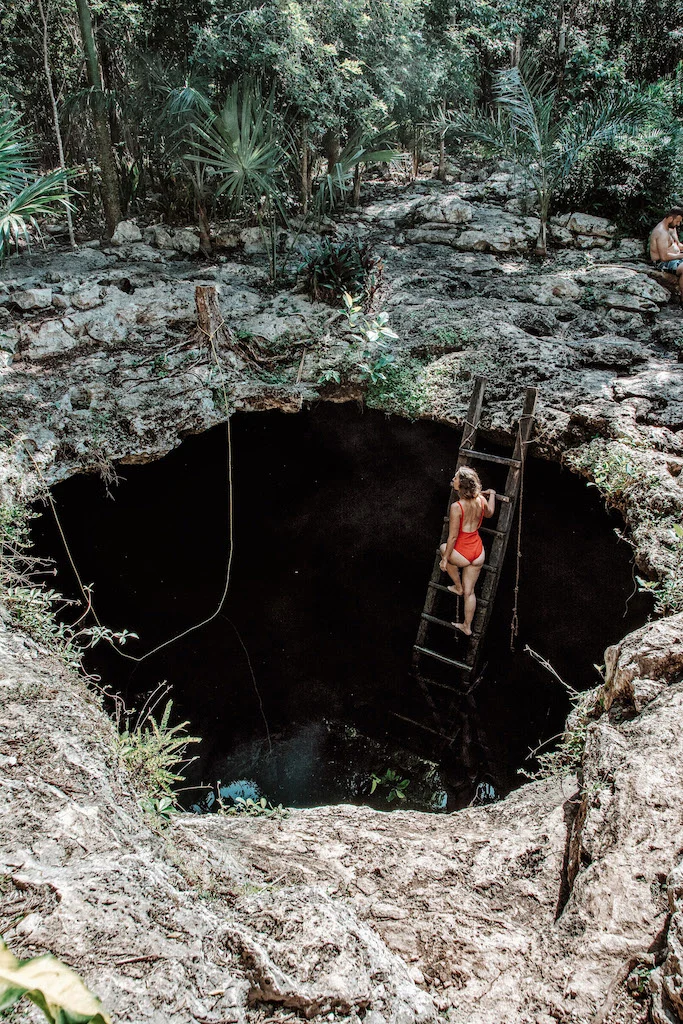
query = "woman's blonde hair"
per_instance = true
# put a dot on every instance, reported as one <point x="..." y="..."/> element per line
<point x="470" y="484"/>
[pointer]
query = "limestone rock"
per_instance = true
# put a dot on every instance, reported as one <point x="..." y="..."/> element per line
<point x="126" y="231"/>
<point x="606" y="280"/>
<point x="47" y="339"/>
<point x="585" y="224"/>
<point x="666" y="983"/>
<point x="560" y="235"/>
<point x="645" y="662"/>
<point x="33" y="298"/>
<point x="87" y="298"/>
<point x="625" y="301"/>
<point x="9" y="339"/>
<point x="631" y="248"/>
<point x="609" y="350"/>
<point x="158" y="235"/>
<point x="591" y="242"/>
<point x="442" y="210"/>
<point x="186" y="241"/>
<point x="111" y="329"/>
<point x="283" y="947"/>
<point x="554" y="290"/>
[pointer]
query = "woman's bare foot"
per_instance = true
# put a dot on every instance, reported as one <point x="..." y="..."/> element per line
<point x="456" y="588"/>
<point x="462" y="627"/>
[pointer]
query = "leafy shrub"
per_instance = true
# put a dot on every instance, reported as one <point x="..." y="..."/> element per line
<point x="31" y="604"/>
<point x="154" y="753"/>
<point x="392" y="782"/>
<point x="402" y="390"/>
<point x="632" y="183"/>
<point x="330" y="269"/>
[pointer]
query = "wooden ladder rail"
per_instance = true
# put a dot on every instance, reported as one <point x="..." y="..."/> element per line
<point x="504" y="525"/>
<point x="467" y="453"/>
<point x="469" y="437"/>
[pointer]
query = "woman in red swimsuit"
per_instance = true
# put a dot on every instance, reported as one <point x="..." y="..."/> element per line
<point x="464" y="550"/>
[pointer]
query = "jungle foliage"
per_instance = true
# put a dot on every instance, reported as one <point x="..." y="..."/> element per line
<point x="188" y="110"/>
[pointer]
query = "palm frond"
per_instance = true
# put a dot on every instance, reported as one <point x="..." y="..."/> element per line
<point x="15" y="154"/>
<point x="241" y="145"/>
<point x="601" y="122"/>
<point x="529" y="103"/>
<point x="187" y="100"/>
<point x="491" y="134"/>
<point x="40" y="198"/>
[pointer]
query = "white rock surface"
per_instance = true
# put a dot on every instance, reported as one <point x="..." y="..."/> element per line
<point x="126" y="231"/>
<point x="186" y="241"/>
<point x="33" y="298"/>
<point x="405" y="916"/>
<point x="45" y="340"/>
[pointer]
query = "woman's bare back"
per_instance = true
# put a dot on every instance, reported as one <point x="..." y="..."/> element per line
<point x="472" y="509"/>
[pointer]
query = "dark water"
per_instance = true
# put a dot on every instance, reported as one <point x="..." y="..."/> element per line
<point x="337" y="513"/>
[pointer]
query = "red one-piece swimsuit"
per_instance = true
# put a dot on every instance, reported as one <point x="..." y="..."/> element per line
<point x="469" y="543"/>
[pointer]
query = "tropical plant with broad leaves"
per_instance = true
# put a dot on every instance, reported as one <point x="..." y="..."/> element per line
<point x="394" y="784"/>
<point x="331" y="268"/>
<point x="24" y="195"/>
<point x="243" y="146"/>
<point x="546" y="141"/>
<point x="344" y="178"/>
<point x="57" y="990"/>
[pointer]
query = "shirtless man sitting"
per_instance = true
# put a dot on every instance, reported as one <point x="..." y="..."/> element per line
<point x="665" y="249"/>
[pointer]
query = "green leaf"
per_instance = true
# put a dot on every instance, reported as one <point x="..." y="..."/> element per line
<point x="52" y="986"/>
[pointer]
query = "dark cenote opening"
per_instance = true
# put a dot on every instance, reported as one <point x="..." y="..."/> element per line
<point x="337" y="512"/>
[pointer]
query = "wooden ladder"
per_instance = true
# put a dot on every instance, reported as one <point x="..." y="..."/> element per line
<point x="423" y="653"/>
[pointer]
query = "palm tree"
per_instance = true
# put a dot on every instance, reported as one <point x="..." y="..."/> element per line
<point x="24" y="195"/>
<point x="185" y="107"/>
<point x="544" y="140"/>
<point x="242" y="144"/>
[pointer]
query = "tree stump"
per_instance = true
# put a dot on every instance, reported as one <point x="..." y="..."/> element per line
<point x="213" y="331"/>
<point x="210" y="323"/>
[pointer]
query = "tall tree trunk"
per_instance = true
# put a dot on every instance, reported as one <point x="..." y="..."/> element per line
<point x="331" y="149"/>
<point x="204" y="228"/>
<point x="303" y="167"/>
<point x="357" y="178"/>
<point x="441" y="173"/>
<point x="55" y="117"/>
<point x="544" y="210"/>
<point x="105" y="155"/>
<point x="517" y="50"/>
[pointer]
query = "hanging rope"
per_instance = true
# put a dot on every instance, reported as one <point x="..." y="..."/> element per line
<point x="86" y="593"/>
<point x="514" y="624"/>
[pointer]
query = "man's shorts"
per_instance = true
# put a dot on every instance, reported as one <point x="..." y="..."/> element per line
<point x="670" y="265"/>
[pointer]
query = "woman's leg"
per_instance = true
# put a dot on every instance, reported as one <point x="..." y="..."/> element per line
<point x="455" y="562"/>
<point x="470" y="575"/>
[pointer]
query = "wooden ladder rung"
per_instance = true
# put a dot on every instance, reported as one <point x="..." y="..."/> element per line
<point x="495" y="533"/>
<point x="424" y="681"/>
<point x="444" y="622"/>
<point x="421" y="725"/>
<point x="502" y="460"/>
<point x="439" y="586"/>
<point x="445" y="686"/>
<point x="443" y="658"/>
